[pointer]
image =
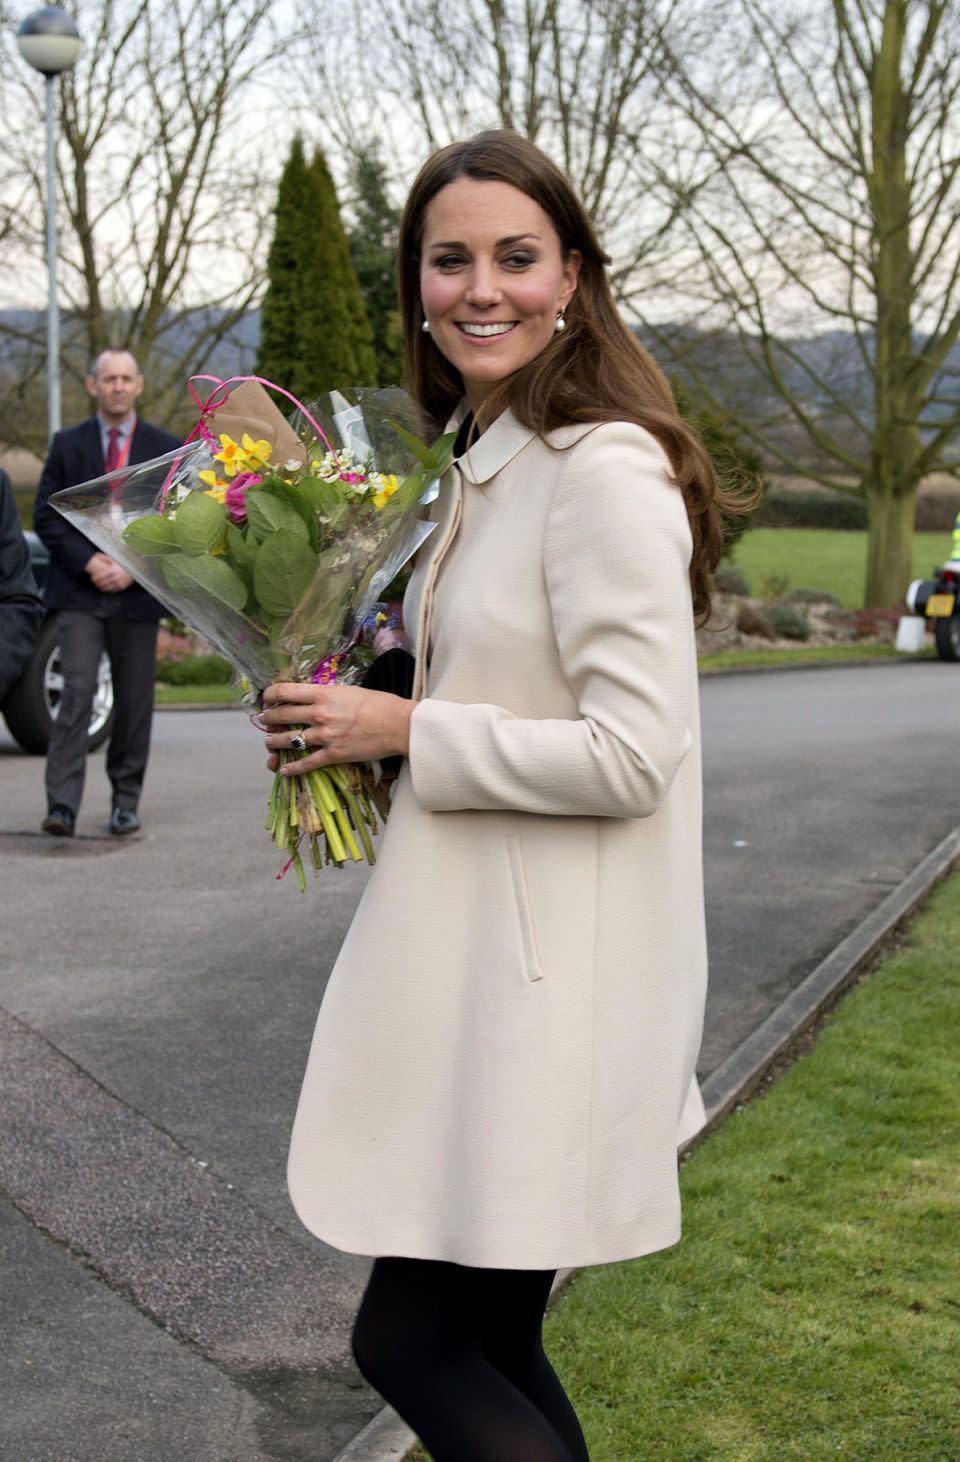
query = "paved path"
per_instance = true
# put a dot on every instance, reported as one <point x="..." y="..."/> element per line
<point x="157" y="1295"/>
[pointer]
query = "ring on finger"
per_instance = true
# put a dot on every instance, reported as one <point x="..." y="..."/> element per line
<point x="298" y="743"/>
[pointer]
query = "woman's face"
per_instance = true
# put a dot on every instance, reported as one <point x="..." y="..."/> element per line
<point x="492" y="280"/>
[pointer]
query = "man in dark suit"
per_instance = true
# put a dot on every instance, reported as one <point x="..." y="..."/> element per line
<point x="99" y="605"/>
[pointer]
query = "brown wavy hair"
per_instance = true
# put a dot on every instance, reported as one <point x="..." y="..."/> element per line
<point x="593" y="371"/>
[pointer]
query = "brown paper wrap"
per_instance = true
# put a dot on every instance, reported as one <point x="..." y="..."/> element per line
<point x="249" y="409"/>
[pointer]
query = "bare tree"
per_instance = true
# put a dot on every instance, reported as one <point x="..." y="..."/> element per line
<point x="163" y="190"/>
<point x="833" y="217"/>
<point x="582" y="78"/>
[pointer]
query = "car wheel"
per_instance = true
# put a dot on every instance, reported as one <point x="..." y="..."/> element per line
<point x="32" y="706"/>
<point x="947" y="635"/>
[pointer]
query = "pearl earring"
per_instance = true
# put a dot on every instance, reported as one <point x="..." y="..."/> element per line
<point x="560" y="323"/>
<point x="425" y="327"/>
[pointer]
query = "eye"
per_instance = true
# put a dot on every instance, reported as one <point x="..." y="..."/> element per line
<point x="519" y="259"/>
<point x="446" y="262"/>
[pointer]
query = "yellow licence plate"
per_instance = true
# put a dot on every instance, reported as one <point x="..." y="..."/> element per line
<point x="940" y="606"/>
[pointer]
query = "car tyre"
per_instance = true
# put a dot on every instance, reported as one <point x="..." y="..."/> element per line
<point x="32" y="705"/>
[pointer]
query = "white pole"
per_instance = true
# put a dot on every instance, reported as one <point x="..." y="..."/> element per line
<point x="53" y="311"/>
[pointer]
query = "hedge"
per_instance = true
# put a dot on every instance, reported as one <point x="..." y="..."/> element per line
<point x="194" y="670"/>
<point x="936" y="512"/>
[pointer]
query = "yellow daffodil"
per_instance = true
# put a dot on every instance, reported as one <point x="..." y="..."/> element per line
<point x="212" y="480"/>
<point x="256" y="455"/>
<point x="388" y="487"/>
<point x="228" y="454"/>
<point x="248" y="456"/>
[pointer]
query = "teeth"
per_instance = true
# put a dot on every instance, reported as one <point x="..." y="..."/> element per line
<point x="487" y="329"/>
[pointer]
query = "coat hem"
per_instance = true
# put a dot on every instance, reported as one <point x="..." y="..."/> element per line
<point x="622" y="1243"/>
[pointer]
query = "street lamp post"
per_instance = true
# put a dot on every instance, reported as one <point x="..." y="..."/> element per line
<point x="50" y="42"/>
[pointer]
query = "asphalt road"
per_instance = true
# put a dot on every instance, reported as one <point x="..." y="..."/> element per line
<point x="157" y="1296"/>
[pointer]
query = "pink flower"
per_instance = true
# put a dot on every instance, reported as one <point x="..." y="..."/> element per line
<point x="237" y="496"/>
<point x="326" y="671"/>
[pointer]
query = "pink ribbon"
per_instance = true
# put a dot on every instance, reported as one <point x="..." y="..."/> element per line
<point x="217" y="397"/>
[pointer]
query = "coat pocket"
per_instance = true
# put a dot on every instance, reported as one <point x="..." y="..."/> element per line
<point x="531" y="956"/>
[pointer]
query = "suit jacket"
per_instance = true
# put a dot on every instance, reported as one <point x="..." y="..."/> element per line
<point x="75" y="456"/>
<point x="21" y="609"/>
<point x="504" y="1060"/>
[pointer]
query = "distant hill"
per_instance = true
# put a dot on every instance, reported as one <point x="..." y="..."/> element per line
<point x="816" y="368"/>
<point x="23" y="336"/>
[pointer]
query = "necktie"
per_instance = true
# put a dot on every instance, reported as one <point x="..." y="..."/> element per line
<point x="113" y="449"/>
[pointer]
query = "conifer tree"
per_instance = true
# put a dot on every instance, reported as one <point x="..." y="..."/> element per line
<point x="373" y="248"/>
<point x="278" y="355"/>
<point x="315" y="334"/>
<point x="337" y="339"/>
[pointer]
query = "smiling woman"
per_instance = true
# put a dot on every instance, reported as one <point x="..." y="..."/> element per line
<point x="504" y="1060"/>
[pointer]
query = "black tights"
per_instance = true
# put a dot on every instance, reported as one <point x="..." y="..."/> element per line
<point x="458" y="1353"/>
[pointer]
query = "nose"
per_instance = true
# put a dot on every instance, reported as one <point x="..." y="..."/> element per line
<point x="482" y="289"/>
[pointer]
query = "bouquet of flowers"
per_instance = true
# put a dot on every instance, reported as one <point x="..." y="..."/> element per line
<point x="276" y="546"/>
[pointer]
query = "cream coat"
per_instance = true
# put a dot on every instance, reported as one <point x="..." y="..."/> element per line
<point x="504" y="1059"/>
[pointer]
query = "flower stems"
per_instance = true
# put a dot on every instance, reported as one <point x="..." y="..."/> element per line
<point x="330" y="807"/>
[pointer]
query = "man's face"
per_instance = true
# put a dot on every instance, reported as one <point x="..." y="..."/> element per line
<point x="116" y="385"/>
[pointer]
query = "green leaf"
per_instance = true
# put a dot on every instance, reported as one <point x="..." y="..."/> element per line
<point x="200" y="525"/>
<point x="214" y="577"/>
<point x="267" y="513"/>
<point x="242" y="550"/>
<point x="280" y="650"/>
<point x="241" y="555"/>
<point x="434" y="458"/>
<point x="409" y="491"/>
<point x="441" y="454"/>
<point x="294" y="498"/>
<point x="150" y="536"/>
<point x="420" y="450"/>
<point x="324" y="498"/>
<point x="282" y="573"/>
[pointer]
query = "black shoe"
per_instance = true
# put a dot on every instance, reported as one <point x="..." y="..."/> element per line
<point x="123" y="821"/>
<point x="59" y="822"/>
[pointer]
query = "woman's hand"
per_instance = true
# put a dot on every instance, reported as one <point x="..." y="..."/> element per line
<point x="340" y="723"/>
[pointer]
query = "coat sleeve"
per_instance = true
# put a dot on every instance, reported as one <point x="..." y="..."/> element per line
<point x="21" y="608"/>
<point x="616" y="565"/>
<point x="66" y="544"/>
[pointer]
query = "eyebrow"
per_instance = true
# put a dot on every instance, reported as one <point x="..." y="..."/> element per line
<point x="500" y="244"/>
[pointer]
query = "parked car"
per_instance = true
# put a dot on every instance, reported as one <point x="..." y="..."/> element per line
<point x="31" y="706"/>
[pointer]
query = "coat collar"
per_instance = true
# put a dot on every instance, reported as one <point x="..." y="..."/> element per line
<point x="500" y="443"/>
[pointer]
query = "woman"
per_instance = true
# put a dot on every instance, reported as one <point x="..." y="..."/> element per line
<point x="503" y="1064"/>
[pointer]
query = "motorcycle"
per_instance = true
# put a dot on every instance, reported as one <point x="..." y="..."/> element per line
<point x="937" y="600"/>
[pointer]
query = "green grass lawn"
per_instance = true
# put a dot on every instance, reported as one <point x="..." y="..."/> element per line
<point x="803" y="655"/>
<point x="194" y="695"/>
<point x="822" y="558"/>
<point x="812" y="1310"/>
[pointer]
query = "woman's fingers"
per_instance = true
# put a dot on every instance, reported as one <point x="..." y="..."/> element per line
<point x="287" y="692"/>
<point x="336" y="724"/>
<point x="288" y="714"/>
<point x="285" y="705"/>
